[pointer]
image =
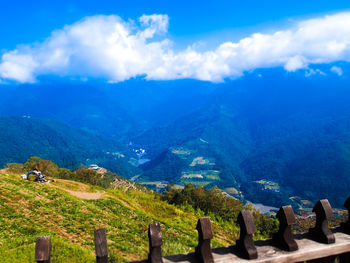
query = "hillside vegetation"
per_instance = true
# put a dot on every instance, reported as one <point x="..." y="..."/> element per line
<point x="75" y="202"/>
<point x="29" y="209"/>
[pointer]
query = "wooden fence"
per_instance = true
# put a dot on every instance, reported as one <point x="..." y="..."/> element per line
<point x="320" y="244"/>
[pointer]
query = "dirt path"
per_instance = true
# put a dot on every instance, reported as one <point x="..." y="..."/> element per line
<point x="81" y="190"/>
<point x="85" y="195"/>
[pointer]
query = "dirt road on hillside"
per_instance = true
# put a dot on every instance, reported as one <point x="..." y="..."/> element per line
<point x="81" y="190"/>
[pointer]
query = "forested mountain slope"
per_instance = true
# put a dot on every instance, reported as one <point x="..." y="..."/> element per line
<point x="22" y="137"/>
<point x="288" y="130"/>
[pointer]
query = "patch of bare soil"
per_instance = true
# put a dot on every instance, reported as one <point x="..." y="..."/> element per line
<point x="86" y="195"/>
<point x="84" y="190"/>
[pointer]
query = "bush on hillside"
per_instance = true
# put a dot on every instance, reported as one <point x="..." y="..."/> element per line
<point x="67" y="174"/>
<point x="47" y="167"/>
<point x="88" y="176"/>
<point x="15" y="168"/>
<point x="207" y="200"/>
<point x="213" y="202"/>
<point x="51" y="169"/>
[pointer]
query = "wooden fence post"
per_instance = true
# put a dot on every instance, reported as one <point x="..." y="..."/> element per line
<point x="101" y="248"/>
<point x="284" y="237"/>
<point x="245" y="244"/>
<point x="155" y="243"/>
<point x="324" y="260"/>
<point x="344" y="258"/>
<point x="345" y="227"/>
<point x="43" y="249"/>
<point x="205" y="234"/>
<point x="321" y="231"/>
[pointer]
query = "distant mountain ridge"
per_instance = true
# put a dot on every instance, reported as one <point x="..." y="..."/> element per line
<point x="118" y="111"/>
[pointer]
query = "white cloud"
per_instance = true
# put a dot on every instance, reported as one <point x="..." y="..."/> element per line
<point x="295" y="63"/>
<point x="17" y="66"/>
<point x="311" y="72"/>
<point x="108" y="47"/>
<point x="337" y="70"/>
<point x="154" y="24"/>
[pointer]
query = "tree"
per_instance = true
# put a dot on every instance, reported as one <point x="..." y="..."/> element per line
<point x="47" y="167"/>
<point x="66" y="174"/>
<point x="16" y="168"/>
<point x="88" y="176"/>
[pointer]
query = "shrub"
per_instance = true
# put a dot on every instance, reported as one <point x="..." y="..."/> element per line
<point x="47" y="167"/>
<point x="88" y="176"/>
<point x="67" y="174"/>
<point x="207" y="200"/>
<point x="16" y="168"/>
<point x="219" y="206"/>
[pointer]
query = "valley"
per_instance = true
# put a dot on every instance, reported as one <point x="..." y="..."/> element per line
<point x="262" y="140"/>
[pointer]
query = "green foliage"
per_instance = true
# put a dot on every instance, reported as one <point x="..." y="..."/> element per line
<point x="219" y="206"/>
<point x="265" y="226"/>
<point x="88" y="176"/>
<point x="107" y="179"/>
<point x="30" y="209"/>
<point x="15" y="168"/>
<point x="208" y="200"/>
<point x="67" y="174"/>
<point x="47" y="167"/>
<point x="51" y="169"/>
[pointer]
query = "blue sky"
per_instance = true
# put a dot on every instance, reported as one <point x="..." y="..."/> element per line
<point x="27" y="40"/>
<point x="30" y="21"/>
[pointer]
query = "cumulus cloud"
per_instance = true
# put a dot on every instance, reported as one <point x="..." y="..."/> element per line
<point x="311" y="72"/>
<point x="337" y="70"/>
<point x="115" y="50"/>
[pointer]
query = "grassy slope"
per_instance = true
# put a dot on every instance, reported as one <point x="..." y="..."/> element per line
<point x="29" y="209"/>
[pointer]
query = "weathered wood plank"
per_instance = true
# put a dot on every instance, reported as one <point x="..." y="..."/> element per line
<point x="344" y="258"/>
<point x="245" y="242"/>
<point x="155" y="243"/>
<point x="321" y="231"/>
<point x="205" y="234"/>
<point x="268" y="253"/>
<point x="345" y="226"/>
<point x="101" y="248"/>
<point x="43" y="249"/>
<point x="284" y="238"/>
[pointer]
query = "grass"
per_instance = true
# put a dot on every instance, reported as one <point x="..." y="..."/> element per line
<point x="73" y="186"/>
<point x="29" y="209"/>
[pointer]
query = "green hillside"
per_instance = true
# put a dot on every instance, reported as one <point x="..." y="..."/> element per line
<point x="22" y="137"/>
<point x="69" y="211"/>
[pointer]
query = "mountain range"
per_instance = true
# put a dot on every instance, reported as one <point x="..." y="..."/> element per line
<point x="269" y="137"/>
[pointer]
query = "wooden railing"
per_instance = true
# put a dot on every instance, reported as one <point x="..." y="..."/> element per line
<point x="320" y="244"/>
